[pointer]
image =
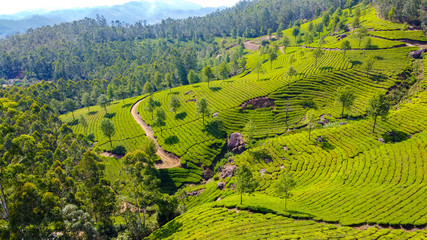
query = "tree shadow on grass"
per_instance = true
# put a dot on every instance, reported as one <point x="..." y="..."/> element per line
<point x="171" y="140"/>
<point x="215" y="89"/>
<point x="355" y="62"/>
<point x="92" y="113"/>
<point x="215" y="128"/>
<point x="73" y="122"/>
<point x="260" y="154"/>
<point x="181" y="116"/>
<point x="127" y="105"/>
<point x="395" y="136"/>
<point x="379" y="77"/>
<point x="109" y="115"/>
<point x="173" y="93"/>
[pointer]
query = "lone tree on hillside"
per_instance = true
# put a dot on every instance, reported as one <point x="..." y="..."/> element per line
<point x="202" y="108"/>
<point x="86" y="100"/>
<point x="103" y="101"/>
<point x="369" y="64"/>
<point x="111" y="92"/>
<point x="175" y="103"/>
<point x="223" y="71"/>
<point x="310" y="119"/>
<point x="83" y="121"/>
<point x="108" y="129"/>
<point x="284" y="186"/>
<point x="272" y="55"/>
<point x="345" y="46"/>
<point x="193" y="77"/>
<point x="344" y="96"/>
<point x="295" y="32"/>
<point x="318" y="53"/>
<point x="291" y="72"/>
<point x="259" y="68"/>
<point x="69" y="105"/>
<point x="285" y="42"/>
<point x="159" y="119"/>
<point x="245" y="181"/>
<point x="379" y="106"/>
<point x="361" y="33"/>
<point x="208" y="73"/>
<point x="150" y="106"/>
<point x="249" y="130"/>
<point x="168" y="81"/>
<point x="279" y="32"/>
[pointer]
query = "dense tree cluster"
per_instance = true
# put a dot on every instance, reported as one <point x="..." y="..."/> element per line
<point x="410" y="11"/>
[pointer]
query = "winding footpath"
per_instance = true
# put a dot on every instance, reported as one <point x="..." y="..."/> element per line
<point x="169" y="160"/>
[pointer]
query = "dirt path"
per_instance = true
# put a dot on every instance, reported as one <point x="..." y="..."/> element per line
<point x="169" y="160"/>
<point x="251" y="46"/>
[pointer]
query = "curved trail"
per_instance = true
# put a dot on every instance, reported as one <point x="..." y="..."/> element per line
<point x="169" y="160"/>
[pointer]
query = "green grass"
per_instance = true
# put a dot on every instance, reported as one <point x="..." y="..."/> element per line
<point x="128" y="133"/>
<point x="410" y="35"/>
<point x="334" y="43"/>
<point x="371" y="21"/>
<point x="221" y="223"/>
<point x="357" y="179"/>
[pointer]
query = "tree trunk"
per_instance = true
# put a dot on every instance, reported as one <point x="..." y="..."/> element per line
<point x="88" y="109"/>
<point x="203" y="117"/>
<point x="375" y="122"/>
<point x="111" y="143"/>
<point x="72" y="113"/>
<point x="342" y="113"/>
<point x="286" y="202"/>
<point x="3" y="203"/>
<point x="241" y="198"/>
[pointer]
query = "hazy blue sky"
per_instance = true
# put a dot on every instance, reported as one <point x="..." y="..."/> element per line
<point x="15" y="6"/>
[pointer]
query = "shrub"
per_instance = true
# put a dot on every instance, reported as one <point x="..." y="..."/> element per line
<point x="119" y="150"/>
<point x="91" y="137"/>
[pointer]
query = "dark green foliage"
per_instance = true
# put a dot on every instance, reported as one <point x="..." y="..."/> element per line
<point x="394" y="136"/>
<point x="119" y="150"/>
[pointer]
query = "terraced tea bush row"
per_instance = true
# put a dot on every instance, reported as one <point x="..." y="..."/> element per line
<point x="417" y="35"/>
<point x="221" y="223"/>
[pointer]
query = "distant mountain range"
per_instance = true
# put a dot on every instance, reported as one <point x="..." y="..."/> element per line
<point x="150" y="11"/>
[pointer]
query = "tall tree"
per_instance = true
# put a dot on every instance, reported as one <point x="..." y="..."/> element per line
<point x="272" y="55"/>
<point x="318" y="53"/>
<point x="245" y="181"/>
<point x="69" y="105"/>
<point x="142" y="182"/>
<point x="148" y="88"/>
<point x="285" y="42"/>
<point x="202" y="108"/>
<point x="291" y="72"/>
<point x="223" y="71"/>
<point x="86" y="100"/>
<point x="310" y="120"/>
<point x="279" y="32"/>
<point x="175" y="103"/>
<point x="369" y="64"/>
<point x="295" y="32"/>
<point x="208" y="73"/>
<point x="159" y="119"/>
<point x="193" y="77"/>
<point x="108" y="129"/>
<point x="345" y="45"/>
<point x="344" y="96"/>
<point x="168" y="81"/>
<point x="151" y="105"/>
<point x="111" y="92"/>
<point x="83" y="122"/>
<point x="379" y="106"/>
<point x="249" y="130"/>
<point x="284" y="186"/>
<point x="259" y="68"/>
<point x="361" y="33"/>
<point x="103" y="101"/>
